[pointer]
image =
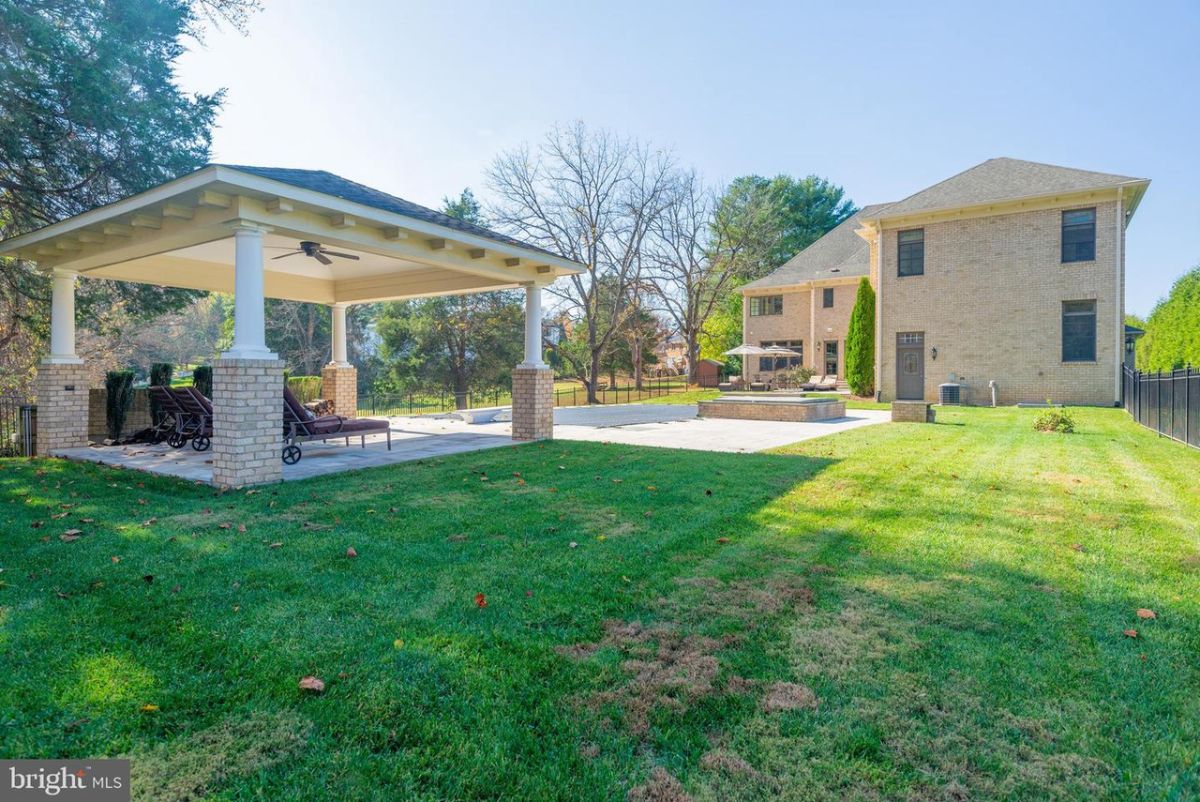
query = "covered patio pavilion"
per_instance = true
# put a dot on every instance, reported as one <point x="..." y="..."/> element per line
<point x="224" y="228"/>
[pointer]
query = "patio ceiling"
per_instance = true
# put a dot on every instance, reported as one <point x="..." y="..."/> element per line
<point x="181" y="234"/>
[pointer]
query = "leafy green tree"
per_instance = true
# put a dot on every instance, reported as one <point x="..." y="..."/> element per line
<point x="464" y="342"/>
<point x="860" y="342"/>
<point x="92" y="113"/>
<point x="774" y="219"/>
<point x="1172" y="337"/>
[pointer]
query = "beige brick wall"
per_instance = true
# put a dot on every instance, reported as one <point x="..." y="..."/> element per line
<point x="800" y="321"/>
<point x="793" y="324"/>
<point x="990" y="301"/>
<point x="339" y="385"/>
<point x="247" y="422"/>
<point x="62" y="407"/>
<point x="533" y="404"/>
<point x="833" y="324"/>
<point x="137" y="419"/>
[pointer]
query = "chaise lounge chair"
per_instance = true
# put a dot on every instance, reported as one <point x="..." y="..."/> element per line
<point x="199" y="416"/>
<point x="813" y="383"/>
<point x="301" y="426"/>
<point x="827" y="383"/>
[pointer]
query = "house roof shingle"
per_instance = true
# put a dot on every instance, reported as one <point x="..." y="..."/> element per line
<point x="839" y="254"/>
<point x="344" y="188"/>
<point x="999" y="180"/>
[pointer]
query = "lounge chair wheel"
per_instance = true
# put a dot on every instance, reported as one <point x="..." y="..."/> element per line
<point x="201" y="443"/>
<point x="291" y="455"/>
<point x="176" y="440"/>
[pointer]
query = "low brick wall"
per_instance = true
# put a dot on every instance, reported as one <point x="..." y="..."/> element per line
<point x="137" y="419"/>
<point x="823" y="409"/>
<point x="912" y="412"/>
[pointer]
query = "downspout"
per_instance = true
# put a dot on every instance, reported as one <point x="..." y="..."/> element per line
<point x="1119" y="298"/>
<point x="817" y="367"/>
<point x="879" y="277"/>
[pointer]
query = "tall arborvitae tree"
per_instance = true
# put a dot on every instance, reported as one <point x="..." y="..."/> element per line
<point x="90" y="112"/>
<point x="860" y="342"/>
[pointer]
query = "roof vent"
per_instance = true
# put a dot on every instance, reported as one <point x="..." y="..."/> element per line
<point x="950" y="394"/>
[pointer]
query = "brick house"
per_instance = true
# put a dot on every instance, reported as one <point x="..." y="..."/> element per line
<point x="1011" y="272"/>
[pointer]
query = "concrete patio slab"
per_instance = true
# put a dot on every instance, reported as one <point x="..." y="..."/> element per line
<point x="431" y="436"/>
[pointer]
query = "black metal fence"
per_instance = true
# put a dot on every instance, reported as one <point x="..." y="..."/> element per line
<point x="1167" y="402"/>
<point x="384" y="404"/>
<point x="18" y="427"/>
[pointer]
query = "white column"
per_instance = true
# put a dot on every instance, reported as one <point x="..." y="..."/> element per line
<point x="338" y="352"/>
<point x="62" y="319"/>
<point x="533" y="328"/>
<point x="249" y="327"/>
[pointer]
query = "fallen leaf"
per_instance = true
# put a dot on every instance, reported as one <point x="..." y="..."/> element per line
<point x="601" y="538"/>
<point x="69" y="535"/>
<point x="574" y="545"/>
<point x="149" y="522"/>
<point x="275" y="545"/>
<point x="242" y="528"/>
<point x="722" y="540"/>
<point x="141" y="501"/>
<point x="651" y="488"/>
<point x="398" y="643"/>
<point x="1078" y="547"/>
<point x="617" y="481"/>
<point x="116" y="559"/>
<point x="226" y="526"/>
<point x="314" y="684"/>
<point x="1130" y="633"/>
<point x="1144" y="613"/>
<point x="350" y="552"/>
<point x="529" y="594"/>
<point x="480" y="600"/>
<point x="149" y="708"/>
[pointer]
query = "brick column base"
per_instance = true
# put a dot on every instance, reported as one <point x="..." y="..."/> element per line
<point x="62" y="406"/>
<point x="247" y="441"/>
<point x="339" y="386"/>
<point x="533" y="404"/>
<point x="912" y="412"/>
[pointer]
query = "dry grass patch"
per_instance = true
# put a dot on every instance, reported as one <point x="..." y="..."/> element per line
<point x="191" y="767"/>
<point x="661" y="787"/>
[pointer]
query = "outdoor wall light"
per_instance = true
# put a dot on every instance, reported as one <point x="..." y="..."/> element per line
<point x="933" y="353"/>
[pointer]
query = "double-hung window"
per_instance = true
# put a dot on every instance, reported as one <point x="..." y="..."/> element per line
<point x="1079" y="235"/>
<point x="911" y="252"/>
<point x="1079" y="331"/>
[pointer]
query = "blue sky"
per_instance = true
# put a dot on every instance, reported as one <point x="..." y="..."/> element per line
<point x="884" y="99"/>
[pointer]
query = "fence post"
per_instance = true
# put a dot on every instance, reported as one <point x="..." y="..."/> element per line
<point x="28" y="416"/>
<point x="1187" y="405"/>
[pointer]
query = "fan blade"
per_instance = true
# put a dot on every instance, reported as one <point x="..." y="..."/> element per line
<point x="320" y="257"/>
<point x="286" y="255"/>
<point x="339" y="253"/>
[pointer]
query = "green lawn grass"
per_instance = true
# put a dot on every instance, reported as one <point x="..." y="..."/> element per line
<point x="896" y="612"/>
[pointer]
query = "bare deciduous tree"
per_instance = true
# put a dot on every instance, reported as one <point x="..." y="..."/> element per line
<point x="699" y="251"/>
<point x="593" y="197"/>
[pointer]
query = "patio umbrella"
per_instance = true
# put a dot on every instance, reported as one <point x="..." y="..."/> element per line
<point x="745" y="350"/>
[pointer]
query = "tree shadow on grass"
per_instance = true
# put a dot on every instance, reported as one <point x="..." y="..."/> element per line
<point x="217" y="603"/>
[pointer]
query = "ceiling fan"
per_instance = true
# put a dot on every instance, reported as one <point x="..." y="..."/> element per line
<point x="317" y="251"/>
